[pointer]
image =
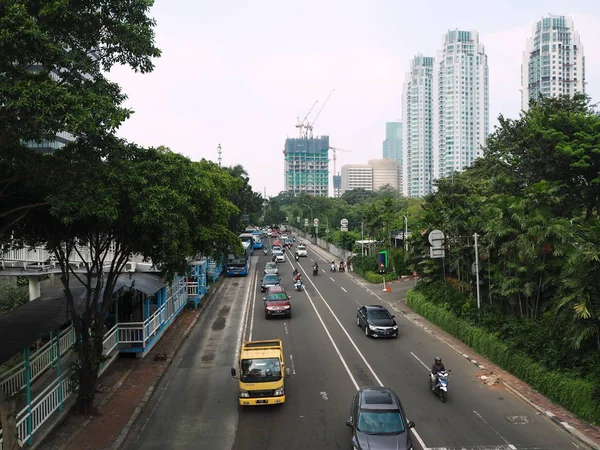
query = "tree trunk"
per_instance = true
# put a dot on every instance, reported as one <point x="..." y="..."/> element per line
<point x="90" y="361"/>
<point x="8" y="422"/>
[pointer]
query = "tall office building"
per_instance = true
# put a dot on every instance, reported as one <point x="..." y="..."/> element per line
<point x="460" y="103"/>
<point x="553" y="61"/>
<point x="372" y="176"/>
<point x="417" y="117"/>
<point x="392" y="146"/>
<point x="357" y="176"/>
<point x="307" y="165"/>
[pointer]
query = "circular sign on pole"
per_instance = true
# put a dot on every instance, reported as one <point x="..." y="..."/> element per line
<point x="436" y="237"/>
<point x="316" y="221"/>
<point x="344" y="222"/>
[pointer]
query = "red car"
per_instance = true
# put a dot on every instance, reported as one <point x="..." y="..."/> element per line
<point x="277" y="303"/>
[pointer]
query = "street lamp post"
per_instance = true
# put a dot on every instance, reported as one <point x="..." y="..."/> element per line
<point x="405" y="233"/>
<point x="312" y="218"/>
<point x="362" y="237"/>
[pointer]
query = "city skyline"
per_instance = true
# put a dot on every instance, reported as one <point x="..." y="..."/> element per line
<point x="245" y="89"/>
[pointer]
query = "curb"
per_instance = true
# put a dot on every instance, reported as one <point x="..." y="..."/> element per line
<point x="564" y="425"/>
<point x="140" y="408"/>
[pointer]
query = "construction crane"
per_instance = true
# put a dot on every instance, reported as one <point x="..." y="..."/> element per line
<point x="302" y="125"/>
<point x="335" y="149"/>
<point x="309" y="126"/>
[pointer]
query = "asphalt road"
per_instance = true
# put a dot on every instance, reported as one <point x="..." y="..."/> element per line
<point x="195" y="406"/>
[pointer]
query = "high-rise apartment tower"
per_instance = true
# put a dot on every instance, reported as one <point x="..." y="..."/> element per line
<point x="460" y="103"/>
<point x="417" y="116"/>
<point x="553" y="61"/>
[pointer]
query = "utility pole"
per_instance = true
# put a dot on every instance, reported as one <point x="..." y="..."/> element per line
<point x="405" y="233"/>
<point x="220" y="153"/>
<point x="477" y="270"/>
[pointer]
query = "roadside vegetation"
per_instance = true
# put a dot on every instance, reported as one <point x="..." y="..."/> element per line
<point x="534" y="201"/>
<point x="99" y="191"/>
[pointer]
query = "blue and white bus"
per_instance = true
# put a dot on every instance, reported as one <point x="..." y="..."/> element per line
<point x="258" y="239"/>
<point x="239" y="265"/>
<point x="248" y="240"/>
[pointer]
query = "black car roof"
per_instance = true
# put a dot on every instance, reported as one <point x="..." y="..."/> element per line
<point x="271" y="276"/>
<point x="375" y="307"/>
<point x="378" y="398"/>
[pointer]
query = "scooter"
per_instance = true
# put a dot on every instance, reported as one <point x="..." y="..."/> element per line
<point x="441" y="386"/>
<point x="266" y="251"/>
<point x="298" y="285"/>
<point x="297" y="257"/>
<point x="332" y="268"/>
<point x="315" y="271"/>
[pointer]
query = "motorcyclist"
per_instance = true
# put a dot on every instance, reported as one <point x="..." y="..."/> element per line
<point x="341" y="266"/>
<point x="333" y="266"/>
<point x="438" y="366"/>
<point x="295" y="273"/>
<point x="296" y="255"/>
<point x="298" y="277"/>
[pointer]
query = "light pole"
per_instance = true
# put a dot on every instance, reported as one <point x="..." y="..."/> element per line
<point x="405" y="233"/>
<point x="362" y="237"/>
<point x="312" y="219"/>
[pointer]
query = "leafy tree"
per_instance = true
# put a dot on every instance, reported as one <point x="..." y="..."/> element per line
<point x="52" y="74"/>
<point x="110" y="196"/>
<point x="242" y="196"/>
<point x="12" y="296"/>
<point x="360" y="195"/>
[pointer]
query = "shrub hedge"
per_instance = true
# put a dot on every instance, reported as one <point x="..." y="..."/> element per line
<point x="577" y="396"/>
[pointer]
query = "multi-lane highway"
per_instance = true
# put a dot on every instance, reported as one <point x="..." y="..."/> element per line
<point x="195" y="406"/>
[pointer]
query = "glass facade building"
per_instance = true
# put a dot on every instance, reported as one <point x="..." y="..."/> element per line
<point x="392" y="146"/>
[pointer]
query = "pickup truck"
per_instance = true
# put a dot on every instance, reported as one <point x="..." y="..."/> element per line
<point x="262" y="373"/>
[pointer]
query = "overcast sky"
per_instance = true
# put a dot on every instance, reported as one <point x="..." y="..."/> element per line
<point x="240" y="73"/>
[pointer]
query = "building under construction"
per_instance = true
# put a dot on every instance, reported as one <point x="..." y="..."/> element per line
<point x="307" y="165"/>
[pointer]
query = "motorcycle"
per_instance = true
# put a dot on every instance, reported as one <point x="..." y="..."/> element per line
<point x="298" y="285"/>
<point x="332" y="268"/>
<point x="342" y="269"/>
<point x="441" y="385"/>
<point x="315" y="271"/>
<point x="297" y="257"/>
<point x="266" y="251"/>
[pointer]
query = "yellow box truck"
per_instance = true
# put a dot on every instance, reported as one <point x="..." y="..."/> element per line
<point x="262" y="373"/>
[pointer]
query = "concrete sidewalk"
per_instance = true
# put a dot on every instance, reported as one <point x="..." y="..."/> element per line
<point x="123" y="391"/>
<point x="586" y="433"/>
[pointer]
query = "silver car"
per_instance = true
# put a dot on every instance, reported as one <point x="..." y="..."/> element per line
<point x="271" y="268"/>
<point x="279" y="256"/>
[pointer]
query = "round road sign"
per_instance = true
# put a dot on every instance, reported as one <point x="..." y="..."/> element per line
<point x="316" y="221"/>
<point x="344" y="222"/>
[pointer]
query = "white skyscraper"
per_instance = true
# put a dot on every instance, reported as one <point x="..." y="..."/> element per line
<point x="553" y="62"/>
<point x="417" y="115"/>
<point x="460" y="103"/>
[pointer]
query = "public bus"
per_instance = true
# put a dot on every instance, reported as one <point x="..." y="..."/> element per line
<point x="248" y="238"/>
<point x="239" y="265"/>
<point x="258" y="239"/>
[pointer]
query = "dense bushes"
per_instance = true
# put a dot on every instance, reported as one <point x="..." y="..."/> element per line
<point x="366" y="267"/>
<point x="577" y="395"/>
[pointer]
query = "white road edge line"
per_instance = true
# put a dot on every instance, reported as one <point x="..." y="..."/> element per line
<point x="355" y="348"/>
<point x="292" y="364"/>
<point x="243" y="326"/>
<point x="417" y="358"/>
<point x="494" y="430"/>
<point x="253" y="303"/>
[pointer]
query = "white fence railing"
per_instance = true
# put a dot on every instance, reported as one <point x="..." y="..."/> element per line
<point x="41" y="256"/>
<point x="31" y="417"/>
<point x="13" y="380"/>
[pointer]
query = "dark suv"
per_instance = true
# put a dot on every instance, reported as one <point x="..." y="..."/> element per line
<point x="377" y="321"/>
<point x="378" y="421"/>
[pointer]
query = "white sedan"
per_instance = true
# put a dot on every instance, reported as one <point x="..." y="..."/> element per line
<point x="301" y="250"/>
<point x="279" y="256"/>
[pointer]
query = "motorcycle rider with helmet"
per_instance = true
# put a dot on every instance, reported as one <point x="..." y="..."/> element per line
<point x="438" y="366"/>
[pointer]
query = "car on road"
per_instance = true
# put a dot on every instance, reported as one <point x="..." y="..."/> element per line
<point x="301" y="249"/>
<point x="377" y="321"/>
<point x="279" y="256"/>
<point x="378" y="421"/>
<point x="277" y="303"/>
<point x="268" y="281"/>
<point x="274" y="234"/>
<point x="271" y="268"/>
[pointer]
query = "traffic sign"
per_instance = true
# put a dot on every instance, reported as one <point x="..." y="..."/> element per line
<point x="316" y="221"/>
<point x="436" y="238"/>
<point x="344" y="223"/>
